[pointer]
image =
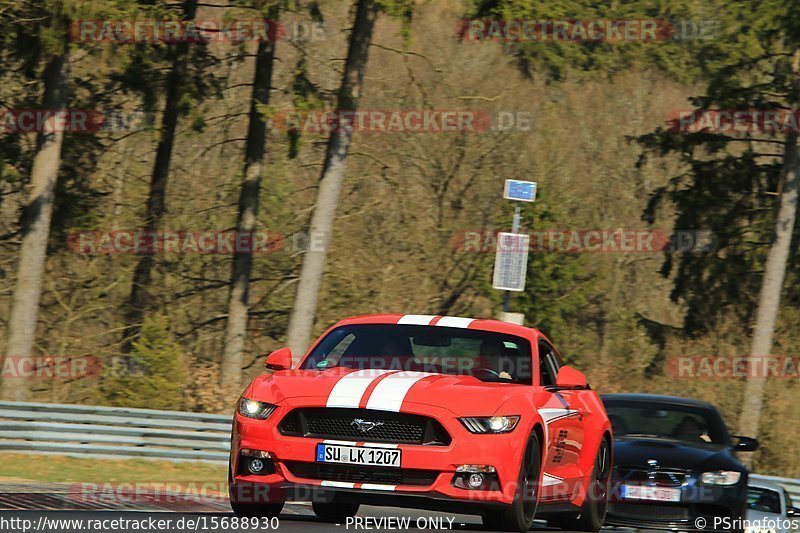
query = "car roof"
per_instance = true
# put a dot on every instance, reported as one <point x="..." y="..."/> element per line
<point x="675" y="400"/>
<point x="764" y="484"/>
<point x="484" y="324"/>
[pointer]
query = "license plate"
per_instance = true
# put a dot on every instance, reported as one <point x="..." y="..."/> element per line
<point x="658" y="494"/>
<point x="358" y="455"/>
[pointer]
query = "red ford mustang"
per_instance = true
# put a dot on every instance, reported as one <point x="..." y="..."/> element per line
<point x="443" y="413"/>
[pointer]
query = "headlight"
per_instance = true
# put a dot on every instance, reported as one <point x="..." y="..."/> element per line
<point x="493" y="424"/>
<point x="721" y="477"/>
<point x="254" y="409"/>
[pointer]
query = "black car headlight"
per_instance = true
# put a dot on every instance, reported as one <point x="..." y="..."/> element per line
<point x="721" y="477"/>
<point x="490" y="424"/>
<point x="255" y="409"/>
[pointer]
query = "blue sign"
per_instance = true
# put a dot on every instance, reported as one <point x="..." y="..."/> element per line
<point x="523" y="191"/>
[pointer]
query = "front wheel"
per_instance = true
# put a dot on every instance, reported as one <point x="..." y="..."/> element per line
<point x="594" y="508"/>
<point x="236" y="495"/>
<point x="519" y="516"/>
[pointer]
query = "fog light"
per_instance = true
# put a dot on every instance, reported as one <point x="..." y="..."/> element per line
<point x="255" y="466"/>
<point x="475" y="480"/>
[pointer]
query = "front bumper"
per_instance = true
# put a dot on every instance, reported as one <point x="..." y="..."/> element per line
<point x="503" y="451"/>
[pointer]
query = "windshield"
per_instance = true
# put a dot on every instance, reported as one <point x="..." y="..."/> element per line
<point x="763" y="500"/>
<point x="664" y="420"/>
<point x="488" y="356"/>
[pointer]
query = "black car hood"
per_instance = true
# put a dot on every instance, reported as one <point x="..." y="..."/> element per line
<point x="636" y="452"/>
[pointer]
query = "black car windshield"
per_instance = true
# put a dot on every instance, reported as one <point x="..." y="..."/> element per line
<point x="681" y="422"/>
<point x="764" y="500"/>
<point x="486" y="355"/>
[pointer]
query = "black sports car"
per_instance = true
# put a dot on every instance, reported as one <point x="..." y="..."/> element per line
<point x="674" y="465"/>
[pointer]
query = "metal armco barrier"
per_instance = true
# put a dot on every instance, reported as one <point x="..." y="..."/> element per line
<point x="113" y="432"/>
<point x="792" y="486"/>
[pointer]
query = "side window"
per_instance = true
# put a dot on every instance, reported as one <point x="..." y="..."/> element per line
<point x="547" y="365"/>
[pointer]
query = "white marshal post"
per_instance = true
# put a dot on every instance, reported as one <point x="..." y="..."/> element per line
<point x="511" y="257"/>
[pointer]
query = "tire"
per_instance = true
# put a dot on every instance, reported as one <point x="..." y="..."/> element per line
<point x="267" y="510"/>
<point x="594" y="508"/>
<point x="519" y="516"/>
<point x="334" y="512"/>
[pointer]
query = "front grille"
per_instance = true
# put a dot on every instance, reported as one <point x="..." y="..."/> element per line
<point x="648" y="512"/>
<point x="657" y="477"/>
<point x="361" y="474"/>
<point x="336" y="423"/>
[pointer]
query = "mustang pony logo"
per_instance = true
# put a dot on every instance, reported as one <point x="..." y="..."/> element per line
<point x="365" y="426"/>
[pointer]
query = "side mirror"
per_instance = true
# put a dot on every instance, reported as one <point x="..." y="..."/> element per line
<point x="570" y="378"/>
<point x="792" y="511"/>
<point x="279" y="359"/>
<point x="745" y="444"/>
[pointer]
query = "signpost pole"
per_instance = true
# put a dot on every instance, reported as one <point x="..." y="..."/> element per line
<point x="514" y="229"/>
<point x="511" y="257"/>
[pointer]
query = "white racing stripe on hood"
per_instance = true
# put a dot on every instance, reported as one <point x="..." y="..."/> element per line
<point x="389" y="394"/>
<point x="419" y="320"/>
<point x="348" y="390"/>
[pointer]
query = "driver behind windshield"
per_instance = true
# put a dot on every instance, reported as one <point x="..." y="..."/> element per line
<point x="491" y="351"/>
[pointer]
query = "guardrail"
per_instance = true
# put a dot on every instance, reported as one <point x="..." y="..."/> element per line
<point x="116" y="432"/>
<point x="113" y="432"/>
<point x="792" y="486"/>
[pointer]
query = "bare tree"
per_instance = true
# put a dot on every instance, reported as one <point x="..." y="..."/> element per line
<point x="774" y="272"/>
<point x="36" y="228"/>
<point x="238" y="299"/>
<point x="305" y="304"/>
<point x="139" y="298"/>
<point x="772" y="284"/>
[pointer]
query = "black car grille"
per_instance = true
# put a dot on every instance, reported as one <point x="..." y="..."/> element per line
<point x="648" y="512"/>
<point x="658" y="477"/>
<point x="360" y="474"/>
<point x="337" y="423"/>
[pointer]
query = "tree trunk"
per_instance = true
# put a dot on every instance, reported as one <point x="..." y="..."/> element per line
<point x="770" y="295"/>
<point x="139" y="299"/>
<point x="36" y="229"/>
<point x="305" y="304"/>
<point x="236" y="327"/>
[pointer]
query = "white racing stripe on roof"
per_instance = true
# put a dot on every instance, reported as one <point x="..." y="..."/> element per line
<point x="419" y="320"/>
<point x="389" y="394"/>
<point x="349" y="389"/>
<point x="454" y="322"/>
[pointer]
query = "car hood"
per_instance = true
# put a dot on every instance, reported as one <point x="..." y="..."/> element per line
<point x="462" y="395"/>
<point x="635" y="452"/>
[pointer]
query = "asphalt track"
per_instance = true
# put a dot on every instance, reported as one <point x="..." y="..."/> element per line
<point x="54" y="508"/>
